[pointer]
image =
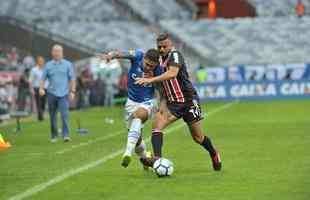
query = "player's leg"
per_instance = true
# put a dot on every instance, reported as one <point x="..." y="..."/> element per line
<point x="140" y="148"/>
<point x="193" y="118"/>
<point x="63" y="104"/>
<point x="138" y="118"/>
<point x="205" y="142"/>
<point x="161" y="121"/>
<point x="141" y="151"/>
<point x="52" y="109"/>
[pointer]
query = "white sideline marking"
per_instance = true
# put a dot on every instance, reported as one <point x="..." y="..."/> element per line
<point x="34" y="154"/>
<point x="40" y="187"/>
<point x="102" y="138"/>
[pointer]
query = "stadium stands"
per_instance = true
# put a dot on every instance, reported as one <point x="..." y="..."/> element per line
<point x="101" y="25"/>
<point x="247" y="40"/>
<point x="98" y="24"/>
<point x="278" y="8"/>
<point x="5" y="6"/>
<point x="32" y="10"/>
<point x="103" y="36"/>
<point x="158" y="10"/>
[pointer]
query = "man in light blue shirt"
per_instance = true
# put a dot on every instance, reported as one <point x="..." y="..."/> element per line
<point x="60" y="74"/>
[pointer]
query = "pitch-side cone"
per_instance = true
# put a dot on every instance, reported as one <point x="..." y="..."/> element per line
<point x="1" y="139"/>
<point x="4" y="145"/>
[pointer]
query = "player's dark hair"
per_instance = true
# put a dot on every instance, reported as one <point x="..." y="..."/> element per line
<point x="162" y="36"/>
<point x="152" y="55"/>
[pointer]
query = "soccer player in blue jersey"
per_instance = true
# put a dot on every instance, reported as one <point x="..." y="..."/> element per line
<point x="141" y="103"/>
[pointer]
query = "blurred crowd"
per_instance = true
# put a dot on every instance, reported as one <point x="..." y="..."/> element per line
<point x="14" y="68"/>
<point x="17" y="86"/>
<point x="101" y="89"/>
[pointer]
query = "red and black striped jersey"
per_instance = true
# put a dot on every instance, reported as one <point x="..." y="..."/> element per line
<point x="179" y="89"/>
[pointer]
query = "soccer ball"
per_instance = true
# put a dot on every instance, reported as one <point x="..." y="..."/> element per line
<point x="163" y="167"/>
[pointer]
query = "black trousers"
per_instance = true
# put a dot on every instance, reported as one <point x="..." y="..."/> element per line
<point x="40" y="103"/>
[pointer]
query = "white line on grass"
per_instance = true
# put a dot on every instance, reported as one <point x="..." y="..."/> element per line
<point x="38" y="188"/>
<point x="101" y="138"/>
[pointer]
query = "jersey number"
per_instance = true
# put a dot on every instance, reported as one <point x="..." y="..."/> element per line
<point x="195" y="111"/>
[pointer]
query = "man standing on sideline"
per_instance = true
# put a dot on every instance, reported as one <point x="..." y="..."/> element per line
<point x="34" y="81"/>
<point x="60" y="74"/>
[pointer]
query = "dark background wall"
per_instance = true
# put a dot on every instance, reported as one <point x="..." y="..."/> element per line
<point x="27" y="38"/>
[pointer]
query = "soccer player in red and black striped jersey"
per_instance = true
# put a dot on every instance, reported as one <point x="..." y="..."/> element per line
<point x="181" y="100"/>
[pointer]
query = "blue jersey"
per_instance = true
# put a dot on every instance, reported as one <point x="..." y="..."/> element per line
<point x="136" y="92"/>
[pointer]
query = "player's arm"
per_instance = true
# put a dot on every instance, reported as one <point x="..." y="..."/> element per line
<point x="115" y="55"/>
<point x="30" y="82"/>
<point x="172" y="72"/>
<point x="41" y="90"/>
<point x="42" y="81"/>
<point x="72" y="83"/>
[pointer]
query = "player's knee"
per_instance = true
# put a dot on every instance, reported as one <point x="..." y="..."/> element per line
<point x="141" y="114"/>
<point x="139" y="141"/>
<point x="197" y="138"/>
<point x="156" y="124"/>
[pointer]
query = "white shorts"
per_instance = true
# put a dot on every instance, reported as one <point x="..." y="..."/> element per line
<point x="132" y="106"/>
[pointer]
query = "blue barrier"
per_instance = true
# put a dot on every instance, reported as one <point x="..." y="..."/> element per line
<point x="254" y="90"/>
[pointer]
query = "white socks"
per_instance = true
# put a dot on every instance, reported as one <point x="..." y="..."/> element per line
<point x="133" y="136"/>
<point x="141" y="150"/>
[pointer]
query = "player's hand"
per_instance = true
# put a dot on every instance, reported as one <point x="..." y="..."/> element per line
<point x="143" y="81"/>
<point x="105" y="56"/>
<point x="72" y="96"/>
<point x="32" y="92"/>
<point x="41" y="92"/>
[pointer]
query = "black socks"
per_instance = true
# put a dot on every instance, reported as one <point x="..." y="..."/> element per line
<point x="207" y="144"/>
<point x="157" y="143"/>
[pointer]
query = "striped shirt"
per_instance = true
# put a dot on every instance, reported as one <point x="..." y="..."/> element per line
<point x="179" y="89"/>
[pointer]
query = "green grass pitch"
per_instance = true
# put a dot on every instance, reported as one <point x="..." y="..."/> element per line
<point x="265" y="150"/>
